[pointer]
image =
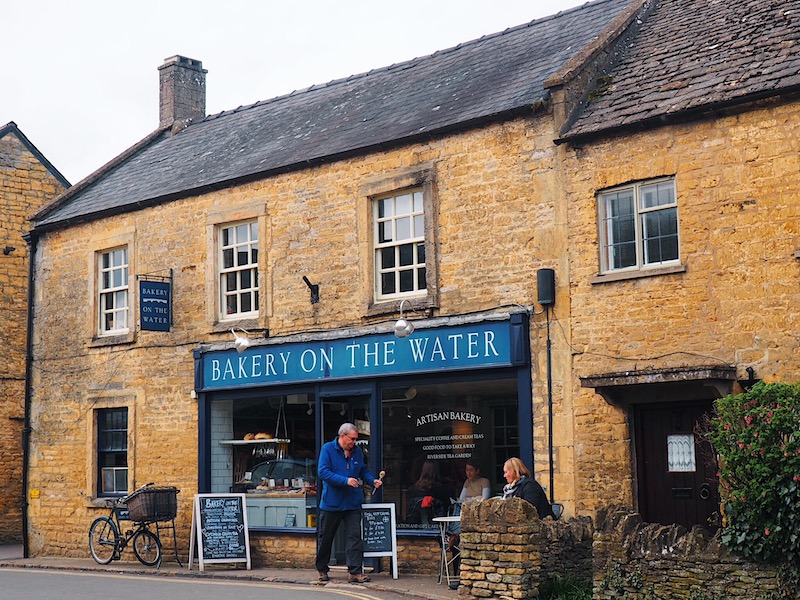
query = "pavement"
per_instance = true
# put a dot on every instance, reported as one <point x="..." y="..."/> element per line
<point x="413" y="586"/>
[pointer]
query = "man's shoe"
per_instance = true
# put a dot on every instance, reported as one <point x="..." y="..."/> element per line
<point x="358" y="578"/>
<point x="323" y="576"/>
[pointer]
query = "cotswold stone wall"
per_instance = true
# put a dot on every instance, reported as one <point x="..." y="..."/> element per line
<point x="25" y="186"/>
<point x="507" y="552"/>
<point x="644" y="561"/>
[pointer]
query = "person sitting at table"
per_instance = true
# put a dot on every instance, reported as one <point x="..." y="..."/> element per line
<point x="475" y="486"/>
<point x="522" y="485"/>
<point x="428" y="497"/>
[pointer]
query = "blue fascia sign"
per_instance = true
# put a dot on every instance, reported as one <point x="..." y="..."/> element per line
<point x="155" y="305"/>
<point x="459" y="347"/>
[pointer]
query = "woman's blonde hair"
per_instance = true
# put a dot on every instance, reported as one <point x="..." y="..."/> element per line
<point x="516" y="466"/>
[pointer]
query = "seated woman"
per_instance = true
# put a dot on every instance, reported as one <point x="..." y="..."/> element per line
<point x="475" y="485"/>
<point x="522" y="485"/>
<point x="428" y="497"/>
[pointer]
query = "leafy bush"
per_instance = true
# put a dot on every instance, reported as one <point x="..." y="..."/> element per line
<point x="757" y="437"/>
<point x="566" y="588"/>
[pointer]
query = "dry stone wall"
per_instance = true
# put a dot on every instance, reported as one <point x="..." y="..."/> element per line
<point x="645" y="561"/>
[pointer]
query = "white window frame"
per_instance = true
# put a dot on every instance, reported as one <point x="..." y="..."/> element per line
<point x="113" y="285"/>
<point x="400" y="230"/>
<point x="640" y="193"/>
<point x="236" y="244"/>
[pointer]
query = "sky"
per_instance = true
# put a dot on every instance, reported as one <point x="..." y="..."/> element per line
<point x="80" y="77"/>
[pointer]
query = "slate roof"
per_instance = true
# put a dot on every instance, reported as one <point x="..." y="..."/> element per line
<point x="494" y="77"/>
<point x="697" y="54"/>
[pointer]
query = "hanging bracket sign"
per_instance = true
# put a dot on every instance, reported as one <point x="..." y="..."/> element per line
<point x="155" y="302"/>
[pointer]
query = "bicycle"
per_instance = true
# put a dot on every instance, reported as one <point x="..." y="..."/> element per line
<point x="147" y="505"/>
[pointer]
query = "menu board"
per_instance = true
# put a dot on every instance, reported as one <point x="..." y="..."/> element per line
<point x="379" y="532"/>
<point x="219" y="529"/>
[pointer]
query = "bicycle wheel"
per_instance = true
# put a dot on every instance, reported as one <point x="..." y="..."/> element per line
<point x="103" y="540"/>
<point x="147" y="547"/>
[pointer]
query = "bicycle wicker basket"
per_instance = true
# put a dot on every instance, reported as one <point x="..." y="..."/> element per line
<point x="153" y="504"/>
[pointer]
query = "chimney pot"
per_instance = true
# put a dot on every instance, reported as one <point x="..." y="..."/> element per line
<point x="182" y="85"/>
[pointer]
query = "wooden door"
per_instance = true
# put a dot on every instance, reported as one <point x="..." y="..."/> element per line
<point x="676" y="469"/>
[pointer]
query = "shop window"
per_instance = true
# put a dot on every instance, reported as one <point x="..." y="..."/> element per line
<point x="238" y="270"/>
<point x="430" y="432"/>
<point x="112" y="451"/>
<point x="113" y="288"/>
<point x="265" y="447"/>
<point x="400" y="249"/>
<point x="638" y="226"/>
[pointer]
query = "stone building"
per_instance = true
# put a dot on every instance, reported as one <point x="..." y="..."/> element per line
<point x="419" y="250"/>
<point x="27" y="182"/>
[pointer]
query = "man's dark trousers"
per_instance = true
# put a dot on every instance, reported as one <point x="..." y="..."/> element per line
<point x="326" y="530"/>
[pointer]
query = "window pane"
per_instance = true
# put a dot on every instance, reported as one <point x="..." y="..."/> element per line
<point x="227" y="258"/>
<point x="230" y="305"/>
<point x="419" y="226"/>
<point x="254" y="231"/>
<point x="246" y="283"/>
<point x="406" y="255"/>
<point x="421" y="279"/>
<point x="385" y="208"/>
<point x="385" y="232"/>
<point x="403" y="204"/>
<point x="241" y="233"/>
<point x="230" y="282"/>
<point x="242" y="257"/>
<point x="418" y="206"/>
<point x="403" y="228"/>
<point x="254" y="255"/>
<point x="247" y="305"/>
<point x="407" y="280"/>
<point x="387" y="258"/>
<point x="660" y="235"/>
<point x="659" y="194"/>
<point x="387" y="283"/>
<point x="421" y="254"/>
<point x="226" y="236"/>
<point x="121" y="480"/>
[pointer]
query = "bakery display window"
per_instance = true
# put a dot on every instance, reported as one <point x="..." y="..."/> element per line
<point x="430" y="432"/>
<point x="264" y="447"/>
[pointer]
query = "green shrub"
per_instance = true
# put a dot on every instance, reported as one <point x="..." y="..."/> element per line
<point x="757" y="437"/>
<point x="566" y="588"/>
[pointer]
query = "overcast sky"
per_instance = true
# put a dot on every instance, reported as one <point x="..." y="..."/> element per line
<point x="80" y="77"/>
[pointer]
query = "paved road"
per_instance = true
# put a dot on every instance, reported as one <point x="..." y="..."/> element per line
<point x="17" y="584"/>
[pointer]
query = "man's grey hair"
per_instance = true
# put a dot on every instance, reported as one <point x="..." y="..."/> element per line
<point x="347" y="428"/>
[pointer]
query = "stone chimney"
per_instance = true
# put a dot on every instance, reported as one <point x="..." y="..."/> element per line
<point x="182" y="84"/>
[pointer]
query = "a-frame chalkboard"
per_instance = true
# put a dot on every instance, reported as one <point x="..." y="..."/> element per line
<point x="379" y="532"/>
<point x="219" y="529"/>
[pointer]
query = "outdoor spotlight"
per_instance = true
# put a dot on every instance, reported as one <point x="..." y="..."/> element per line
<point x="403" y="328"/>
<point x="240" y="343"/>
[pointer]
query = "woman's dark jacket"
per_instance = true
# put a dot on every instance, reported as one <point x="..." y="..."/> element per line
<point x="530" y="490"/>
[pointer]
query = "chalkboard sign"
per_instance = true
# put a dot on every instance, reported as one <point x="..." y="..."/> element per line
<point x="379" y="532"/>
<point x="219" y="522"/>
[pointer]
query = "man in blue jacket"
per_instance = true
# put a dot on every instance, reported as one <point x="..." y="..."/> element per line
<point x="341" y="465"/>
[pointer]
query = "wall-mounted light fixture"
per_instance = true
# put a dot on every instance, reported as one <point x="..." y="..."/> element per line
<point x="8" y="250"/>
<point x="313" y="288"/>
<point x="403" y="328"/>
<point x="410" y="393"/>
<point x="240" y="343"/>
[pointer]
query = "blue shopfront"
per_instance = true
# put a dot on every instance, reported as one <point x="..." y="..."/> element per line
<point x="457" y="390"/>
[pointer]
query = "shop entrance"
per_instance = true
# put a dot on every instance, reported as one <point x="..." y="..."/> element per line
<point x="345" y="406"/>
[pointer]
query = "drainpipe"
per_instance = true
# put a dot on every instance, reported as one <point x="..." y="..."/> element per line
<point x="32" y="240"/>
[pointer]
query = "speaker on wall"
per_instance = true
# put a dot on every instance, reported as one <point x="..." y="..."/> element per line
<point x="546" y="286"/>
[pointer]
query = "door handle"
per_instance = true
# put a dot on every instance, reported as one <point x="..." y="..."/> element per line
<point x="705" y="491"/>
